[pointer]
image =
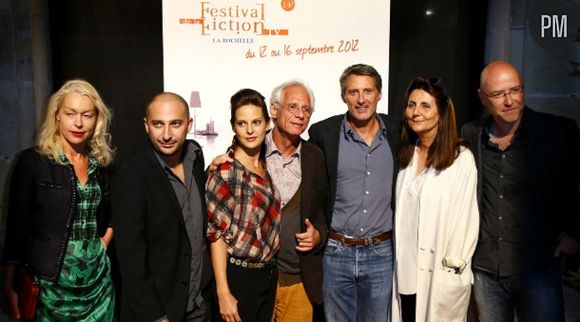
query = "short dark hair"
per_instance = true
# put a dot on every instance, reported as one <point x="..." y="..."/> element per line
<point x="360" y="70"/>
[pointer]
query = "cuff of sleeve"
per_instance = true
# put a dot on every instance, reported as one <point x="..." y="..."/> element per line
<point x="454" y="262"/>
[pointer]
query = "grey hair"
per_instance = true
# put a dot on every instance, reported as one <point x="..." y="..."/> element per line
<point x="276" y="95"/>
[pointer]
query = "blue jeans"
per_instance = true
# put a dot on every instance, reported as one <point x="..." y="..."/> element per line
<point x="536" y="297"/>
<point x="357" y="282"/>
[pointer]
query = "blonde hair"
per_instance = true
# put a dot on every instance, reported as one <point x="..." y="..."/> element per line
<point x="49" y="142"/>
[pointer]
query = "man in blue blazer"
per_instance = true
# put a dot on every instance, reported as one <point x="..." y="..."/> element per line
<point x="160" y="219"/>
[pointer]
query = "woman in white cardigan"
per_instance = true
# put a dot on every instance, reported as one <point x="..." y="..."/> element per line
<point x="436" y="219"/>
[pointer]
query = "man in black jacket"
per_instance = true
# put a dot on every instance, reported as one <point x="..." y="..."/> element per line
<point x="527" y="188"/>
<point x="159" y="215"/>
<point x="361" y="168"/>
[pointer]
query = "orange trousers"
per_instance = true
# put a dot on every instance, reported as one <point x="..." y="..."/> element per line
<point x="292" y="304"/>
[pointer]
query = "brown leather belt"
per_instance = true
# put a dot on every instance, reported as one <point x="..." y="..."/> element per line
<point x="348" y="241"/>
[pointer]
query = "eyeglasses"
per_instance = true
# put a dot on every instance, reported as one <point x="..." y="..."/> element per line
<point x="293" y="108"/>
<point x="498" y="95"/>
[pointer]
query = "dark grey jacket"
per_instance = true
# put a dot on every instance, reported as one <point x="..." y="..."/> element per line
<point x="152" y="243"/>
<point x="42" y="207"/>
<point x="325" y="134"/>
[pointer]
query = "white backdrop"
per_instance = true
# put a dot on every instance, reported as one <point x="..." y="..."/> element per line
<point x="216" y="47"/>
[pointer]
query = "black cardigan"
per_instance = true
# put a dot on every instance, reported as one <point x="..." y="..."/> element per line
<point x="42" y="207"/>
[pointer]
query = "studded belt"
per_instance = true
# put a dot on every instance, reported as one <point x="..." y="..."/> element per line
<point x="245" y="263"/>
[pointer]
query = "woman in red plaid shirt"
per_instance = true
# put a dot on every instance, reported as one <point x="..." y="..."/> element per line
<point x="244" y="217"/>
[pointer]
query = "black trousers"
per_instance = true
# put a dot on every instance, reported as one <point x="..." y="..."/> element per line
<point x="408" y="307"/>
<point x="255" y="290"/>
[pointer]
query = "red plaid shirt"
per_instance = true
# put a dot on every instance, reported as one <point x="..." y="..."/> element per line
<point x="243" y="209"/>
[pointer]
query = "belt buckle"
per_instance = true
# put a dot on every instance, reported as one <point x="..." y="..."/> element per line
<point x="343" y="241"/>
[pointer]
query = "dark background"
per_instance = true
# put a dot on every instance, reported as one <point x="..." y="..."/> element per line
<point x="117" y="46"/>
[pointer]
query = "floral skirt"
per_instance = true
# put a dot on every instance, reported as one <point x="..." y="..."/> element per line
<point x="84" y="290"/>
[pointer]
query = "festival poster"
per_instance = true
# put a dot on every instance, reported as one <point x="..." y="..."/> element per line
<point x="213" y="48"/>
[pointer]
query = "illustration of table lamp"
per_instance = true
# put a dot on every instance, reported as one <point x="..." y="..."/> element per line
<point x="194" y="103"/>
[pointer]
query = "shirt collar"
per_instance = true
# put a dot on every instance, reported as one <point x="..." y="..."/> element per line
<point x="187" y="154"/>
<point x="520" y="136"/>
<point x="349" y="132"/>
<point x="519" y="131"/>
<point x="271" y="147"/>
<point x="93" y="163"/>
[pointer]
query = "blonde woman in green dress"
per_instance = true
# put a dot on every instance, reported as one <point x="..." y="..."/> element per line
<point x="58" y="215"/>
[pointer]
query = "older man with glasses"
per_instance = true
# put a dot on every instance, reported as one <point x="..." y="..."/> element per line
<point x="298" y="171"/>
<point x="527" y="186"/>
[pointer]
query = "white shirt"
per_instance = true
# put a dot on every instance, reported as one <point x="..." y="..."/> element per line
<point x="407" y="233"/>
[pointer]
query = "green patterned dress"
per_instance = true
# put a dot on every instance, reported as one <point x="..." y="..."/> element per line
<point x="84" y="290"/>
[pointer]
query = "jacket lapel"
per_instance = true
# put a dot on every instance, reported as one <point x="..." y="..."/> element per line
<point x="331" y="140"/>
<point x="165" y="190"/>
<point x="307" y="172"/>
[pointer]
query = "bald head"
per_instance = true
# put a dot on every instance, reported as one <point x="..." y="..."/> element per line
<point x="167" y="97"/>
<point x="501" y="92"/>
<point x="497" y="72"/>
